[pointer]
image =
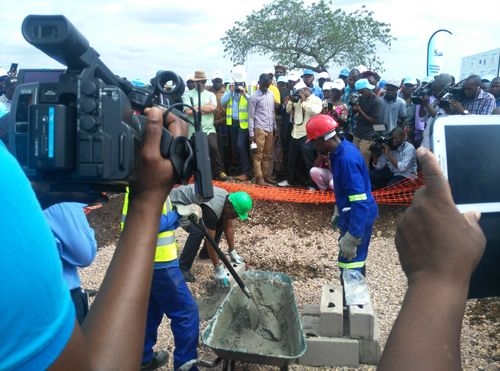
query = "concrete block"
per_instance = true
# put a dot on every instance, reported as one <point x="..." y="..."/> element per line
<point x="362" y="321"/>
<point x="239" y="268"/>
<point x="310" y="310"/>
<point x="331" y="352"/>
<point x="310" y="326"/>
<point x="331" y="312"/>
<point x="370" y="350"/>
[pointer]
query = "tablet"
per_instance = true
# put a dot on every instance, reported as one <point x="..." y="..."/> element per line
<point x="468" y="150"/>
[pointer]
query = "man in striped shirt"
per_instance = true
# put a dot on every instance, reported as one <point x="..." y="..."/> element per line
<point x="261" y="126"/>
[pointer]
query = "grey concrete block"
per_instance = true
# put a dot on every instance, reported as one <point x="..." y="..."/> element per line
<point x="331" y="312"/>
<point x="332" y="352"/>
<point x="310" y="310"/>
<point x="362" y="320"/>
<point x="370" y="350"/>
<point x="311" y="326"/>
<point x="239" y="268"/>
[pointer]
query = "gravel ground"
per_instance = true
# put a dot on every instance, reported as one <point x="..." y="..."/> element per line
<point x="296" y="239"/>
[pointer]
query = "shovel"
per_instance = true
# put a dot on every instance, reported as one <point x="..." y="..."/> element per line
<point x="199" y="224"/>
<point x="266" y="318"/>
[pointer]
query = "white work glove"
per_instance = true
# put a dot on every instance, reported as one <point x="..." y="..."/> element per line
<point x="221" y="276"/>
<point x="349" y="245"/>
<point x="188" y="211"/>
<point x="235" y="258"/>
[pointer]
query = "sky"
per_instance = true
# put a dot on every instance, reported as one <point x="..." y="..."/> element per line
<point x="137" y="38"/>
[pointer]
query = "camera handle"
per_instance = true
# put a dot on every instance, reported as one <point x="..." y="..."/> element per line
<point x="189" y="156"/>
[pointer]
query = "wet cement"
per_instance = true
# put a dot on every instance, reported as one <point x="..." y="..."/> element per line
<point x="278" y="334"/>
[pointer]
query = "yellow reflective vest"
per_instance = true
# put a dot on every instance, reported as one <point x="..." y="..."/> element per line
<point x="166" y="247"/>
<point x="242" y="112"/>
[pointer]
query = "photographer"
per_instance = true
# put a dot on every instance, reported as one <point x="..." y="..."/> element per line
<point x="393" y="160"/>
<point x="301" y="109"/>
<point x="473" y="99"/>
<point x="367" y="110"/>
<point x="235" y="99"/>
<point x="429" y="108"/>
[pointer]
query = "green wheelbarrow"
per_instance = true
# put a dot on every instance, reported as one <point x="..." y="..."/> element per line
<point x="232" y="337"/>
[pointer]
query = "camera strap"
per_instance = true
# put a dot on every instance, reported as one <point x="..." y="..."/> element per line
<point x="182" y="156"/>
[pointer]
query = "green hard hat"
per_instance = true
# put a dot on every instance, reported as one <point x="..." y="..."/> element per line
<point x="242" y="203"/>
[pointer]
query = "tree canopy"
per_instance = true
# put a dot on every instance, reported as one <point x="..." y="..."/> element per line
<point x="316" y="36"/>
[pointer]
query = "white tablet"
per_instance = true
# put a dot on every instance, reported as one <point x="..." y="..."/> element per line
<point x="468" y="150"/>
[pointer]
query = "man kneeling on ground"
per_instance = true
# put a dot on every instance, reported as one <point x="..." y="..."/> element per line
<point x="397" y="162"/>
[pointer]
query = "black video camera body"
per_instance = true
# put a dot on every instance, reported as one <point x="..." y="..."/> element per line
<point x="417" y="94"/>
<point x="377" y="148"/>
<point x="81" y="133"/>
<point x="449" y="93"/>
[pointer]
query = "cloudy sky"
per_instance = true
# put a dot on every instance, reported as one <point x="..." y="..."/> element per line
<point x="137" y="38"/>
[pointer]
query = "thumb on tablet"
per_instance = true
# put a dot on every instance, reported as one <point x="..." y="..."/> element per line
<point x="434" y="180"/>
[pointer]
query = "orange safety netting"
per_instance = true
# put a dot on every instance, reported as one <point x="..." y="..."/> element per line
<point x="90" y="208"/>
<point x="397" y="194"/>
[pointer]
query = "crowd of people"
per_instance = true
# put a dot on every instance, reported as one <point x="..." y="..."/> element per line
<point x="330" y="128"/>
<point x="261" y="130"/>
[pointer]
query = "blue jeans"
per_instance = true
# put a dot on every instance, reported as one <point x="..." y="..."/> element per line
<point x="240" y="145"/>
<point x="171" y="296"/>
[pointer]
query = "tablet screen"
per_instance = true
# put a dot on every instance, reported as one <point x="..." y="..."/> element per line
<point x="473" y="159"/>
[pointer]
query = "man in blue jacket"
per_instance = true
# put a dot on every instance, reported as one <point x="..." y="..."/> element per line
<point x="353" y="196"/>
<point x="77" y="247"/>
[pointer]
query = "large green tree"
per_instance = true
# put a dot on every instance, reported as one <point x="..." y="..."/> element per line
<point x="315" y="36"/>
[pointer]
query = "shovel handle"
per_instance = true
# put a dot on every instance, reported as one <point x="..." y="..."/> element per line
<point x="199" y="224"/>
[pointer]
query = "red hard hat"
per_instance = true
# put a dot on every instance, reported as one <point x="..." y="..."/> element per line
<point x="319" y="126"/>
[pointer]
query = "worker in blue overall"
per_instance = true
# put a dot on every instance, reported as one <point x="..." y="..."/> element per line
<point x="357" y="207"/>
<point x="170" y="294"/>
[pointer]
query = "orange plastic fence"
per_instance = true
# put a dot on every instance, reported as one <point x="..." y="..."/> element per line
<point x="398" y="194"/>
<point x="89" y="209"/>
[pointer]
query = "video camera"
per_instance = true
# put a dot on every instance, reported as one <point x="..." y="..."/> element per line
<point x="81" y="134"/>
<point x="417" y="94"/>
<point x="449" y="93"/>
<point x="377" y="148"/>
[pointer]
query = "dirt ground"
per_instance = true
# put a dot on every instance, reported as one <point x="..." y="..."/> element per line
<point x="105" y="220"/>
<point x="297" y="239"/>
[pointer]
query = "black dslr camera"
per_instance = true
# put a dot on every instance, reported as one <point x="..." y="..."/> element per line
<point x="377" y="148"/>
<point x="238" y="85"/>
<point x="81" y="134"/>
<point x="295" y="94"/>
<point x="354" y="98"/>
